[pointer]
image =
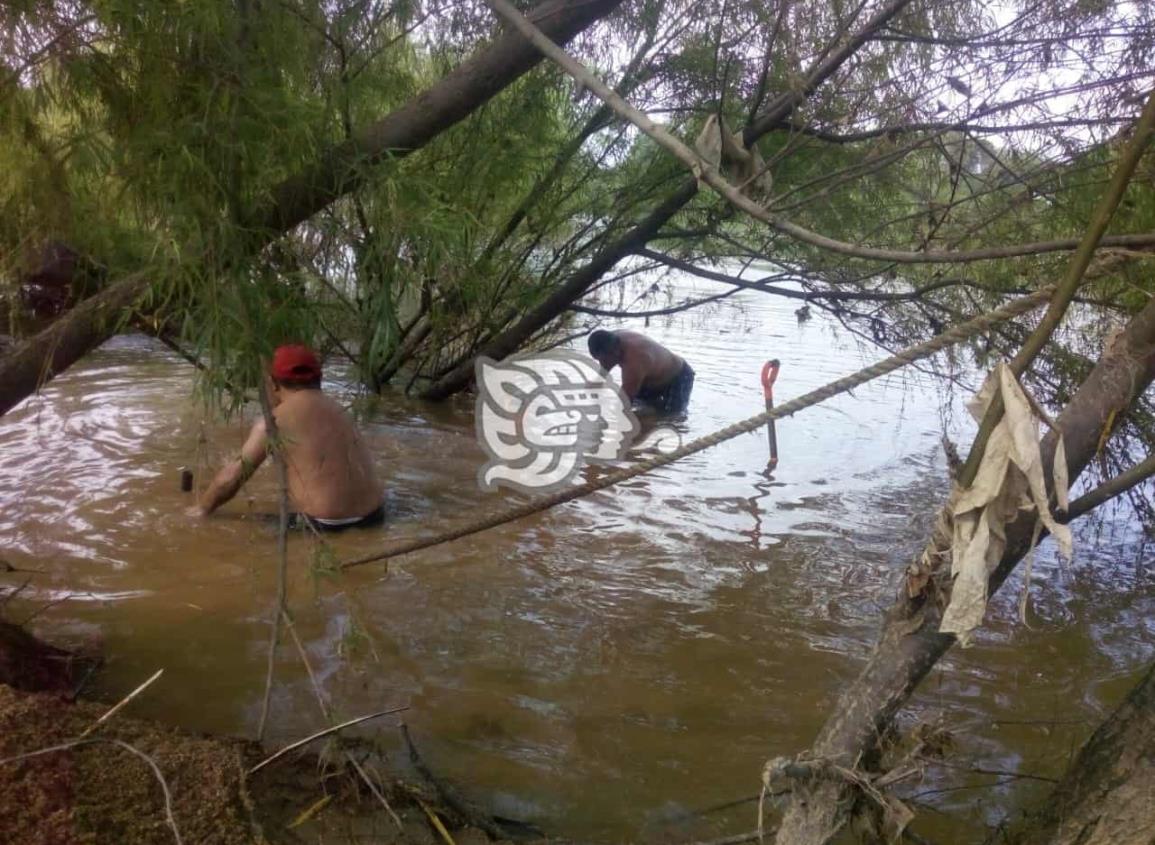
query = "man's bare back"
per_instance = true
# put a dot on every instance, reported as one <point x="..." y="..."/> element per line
<point x="650" y="371"/>
<point x="656" y="364"/>
<point x="330" y="471"/>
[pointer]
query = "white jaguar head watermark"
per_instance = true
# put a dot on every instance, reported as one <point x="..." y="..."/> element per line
<point x="542" y="416"/>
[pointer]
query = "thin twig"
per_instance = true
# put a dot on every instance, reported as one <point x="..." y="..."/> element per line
<point x="120" y="705"/>
<point x="709" y="175"/>
<point x="911" y="836"/>
<point x="5" y="566"/>
<point x="308" y="666"/>
<point x="170" y="818"/>
<point x="713" y="808"/>
<point x="380" y="796"/>
<point x="166" y="338"/>
<point x="90" y="670"/>
<point x="282" y="553"/>
<point x="926" y="792"/>
<point x="448" y="795"/>
<point x="15" y="591"/>
<point x="325" y="711"/>
<point x="979" y="770"/>
<point x="1065" y="291"/>
<point x="44" y="607"/>
<point x="295" y="745"/>
<point x="438" y="825"/>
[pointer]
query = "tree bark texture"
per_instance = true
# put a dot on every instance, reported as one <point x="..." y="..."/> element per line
<point x="53" y="350"/>
<point x="1107" y="796"/>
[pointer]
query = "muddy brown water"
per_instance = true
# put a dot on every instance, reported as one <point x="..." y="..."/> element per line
<point x="600" y="669"/>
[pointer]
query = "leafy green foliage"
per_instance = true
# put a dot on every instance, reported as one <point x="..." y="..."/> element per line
<point x="140" y="137"/>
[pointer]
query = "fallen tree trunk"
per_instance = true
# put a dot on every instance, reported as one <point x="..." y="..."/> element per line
<point x="911" y="644"/>
<point x="403" y="353"/>
<point x="342" y="169"/>
<point x="53" y="350"/>
<point x="1107" y="796"/>
<point x="470" y="85"/>
<point x="775" y="116"/>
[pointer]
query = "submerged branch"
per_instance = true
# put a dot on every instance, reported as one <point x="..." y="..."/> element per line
<point x="282" y="556"/>
<point x="322" y="733"/>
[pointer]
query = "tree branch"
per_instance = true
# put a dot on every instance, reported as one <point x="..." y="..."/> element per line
<point x="1108" y="490"/>
<point x="344" y="168"/>
<point x="731" y="193"/>
<point x="659" y="312"/>
<point x="646" y="229"/>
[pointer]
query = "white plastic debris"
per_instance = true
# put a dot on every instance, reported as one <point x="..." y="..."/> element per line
<point x="1009" y="479"/>
<point x="725" y="152"/>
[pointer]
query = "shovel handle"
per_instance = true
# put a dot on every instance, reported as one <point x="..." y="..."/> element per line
<point x="769" y="376"/>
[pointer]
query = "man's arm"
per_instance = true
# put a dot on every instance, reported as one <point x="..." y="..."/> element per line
<point x="632" y="377"/>
<point x="636" y="365"/>
<point x="236" y="472"/>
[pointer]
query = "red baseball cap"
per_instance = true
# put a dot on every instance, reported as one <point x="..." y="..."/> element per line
<point x="295" y="364"/>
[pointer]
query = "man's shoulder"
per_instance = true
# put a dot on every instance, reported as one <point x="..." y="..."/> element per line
<point x="633" y="341"/>
<point x="308" y="402"/>
<point x="639" y="344"/>
<point x="334" y="408"/>
<point x="318" y="416"/>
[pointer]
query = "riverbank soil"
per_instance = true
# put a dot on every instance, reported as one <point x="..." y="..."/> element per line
<point x="100" y="786"/>
<point x="103" y="793"/>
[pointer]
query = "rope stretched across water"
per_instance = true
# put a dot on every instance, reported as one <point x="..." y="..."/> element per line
<point x="951" y="336"/>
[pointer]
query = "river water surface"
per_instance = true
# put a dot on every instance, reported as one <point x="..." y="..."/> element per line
<point x="598" y="669"/>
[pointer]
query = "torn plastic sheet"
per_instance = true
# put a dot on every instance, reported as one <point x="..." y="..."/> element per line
<point x="1009" y="479"/>
<point x="725" y="151"/>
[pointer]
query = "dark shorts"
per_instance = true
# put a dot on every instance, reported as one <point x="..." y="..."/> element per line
<point x="374" y="517"/>
<point x="673" y="397"/>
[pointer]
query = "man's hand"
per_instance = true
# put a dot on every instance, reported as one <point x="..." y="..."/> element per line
<point x="196" y="512"/>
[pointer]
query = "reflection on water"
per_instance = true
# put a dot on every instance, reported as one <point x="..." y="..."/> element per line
<point x="598" y="668"/>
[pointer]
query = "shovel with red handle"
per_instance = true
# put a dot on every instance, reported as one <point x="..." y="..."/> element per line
<point x="769" y="375"/>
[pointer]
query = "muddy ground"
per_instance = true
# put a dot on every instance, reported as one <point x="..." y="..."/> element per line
<point x="103" y="793"/>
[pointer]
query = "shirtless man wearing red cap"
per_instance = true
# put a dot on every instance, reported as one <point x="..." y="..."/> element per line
<point x="332" y="484"/>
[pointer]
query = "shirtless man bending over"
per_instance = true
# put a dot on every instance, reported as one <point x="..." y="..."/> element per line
<point x="332" y="484"/>
<point x="650" y="373"/>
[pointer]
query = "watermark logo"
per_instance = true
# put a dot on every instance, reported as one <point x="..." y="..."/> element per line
<point x="542" y="416"/>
